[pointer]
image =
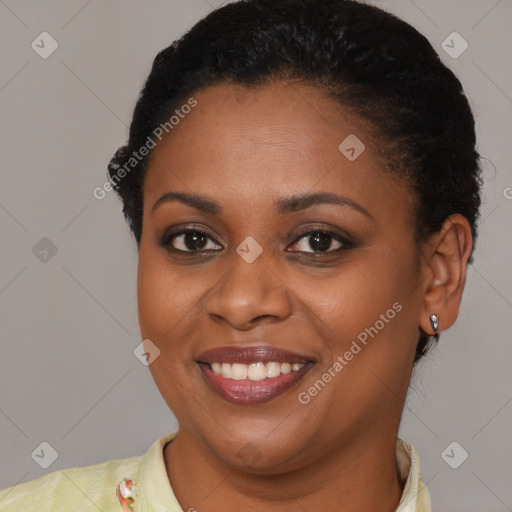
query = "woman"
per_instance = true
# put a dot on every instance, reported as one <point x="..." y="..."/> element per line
<point x="302" y="182"/>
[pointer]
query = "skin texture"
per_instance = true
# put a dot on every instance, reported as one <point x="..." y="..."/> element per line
<point x="245" y="148"/>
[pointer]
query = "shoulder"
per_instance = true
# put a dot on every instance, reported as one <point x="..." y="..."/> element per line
<point x="81" y="489"/>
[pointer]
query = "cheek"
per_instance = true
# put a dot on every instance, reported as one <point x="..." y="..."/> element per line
<point x="168" y="301"/>
<point x="368" y="315"/>
<point x="352" y="299"/>
<point x="166" y="295"/>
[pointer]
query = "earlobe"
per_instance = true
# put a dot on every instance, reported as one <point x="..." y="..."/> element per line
<point x="445" y="262"/>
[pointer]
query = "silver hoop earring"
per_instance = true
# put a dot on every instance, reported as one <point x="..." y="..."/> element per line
<point x="434" y="323"/>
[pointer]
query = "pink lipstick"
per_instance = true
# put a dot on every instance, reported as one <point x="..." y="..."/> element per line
<point x="252" y="374"/>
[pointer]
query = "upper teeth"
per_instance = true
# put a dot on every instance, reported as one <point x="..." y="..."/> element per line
<point x="254" y="371"/>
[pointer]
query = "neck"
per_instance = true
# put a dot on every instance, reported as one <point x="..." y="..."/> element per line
<point x="355" y="478"/>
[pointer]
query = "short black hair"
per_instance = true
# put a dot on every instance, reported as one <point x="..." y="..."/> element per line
<point x="373" y="63"/>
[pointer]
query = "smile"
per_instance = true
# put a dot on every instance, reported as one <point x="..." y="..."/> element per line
<point x="252" y="375"/>
<point x="254" y="371"/>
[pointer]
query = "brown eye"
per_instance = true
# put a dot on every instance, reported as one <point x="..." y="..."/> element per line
<point x="321" y="241"/>
<point x="189" y="240"/>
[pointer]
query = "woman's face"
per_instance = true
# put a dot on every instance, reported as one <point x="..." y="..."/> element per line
<point x="265" y="278"/>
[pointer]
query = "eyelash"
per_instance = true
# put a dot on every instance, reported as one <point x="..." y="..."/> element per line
<point x="347" y="242"/>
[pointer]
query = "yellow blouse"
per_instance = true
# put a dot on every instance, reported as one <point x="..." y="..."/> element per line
<point x="94" y="488"/>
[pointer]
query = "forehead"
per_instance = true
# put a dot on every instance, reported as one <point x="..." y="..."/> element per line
<point x="257" y="142"/>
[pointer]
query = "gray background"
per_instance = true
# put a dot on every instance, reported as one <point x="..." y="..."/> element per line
<point x="68" y="375"/>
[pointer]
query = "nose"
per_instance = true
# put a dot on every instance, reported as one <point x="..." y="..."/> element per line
<point x="249" y="294"/>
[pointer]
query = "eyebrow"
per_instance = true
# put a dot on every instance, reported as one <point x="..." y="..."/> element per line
<point x="282" y="206"/>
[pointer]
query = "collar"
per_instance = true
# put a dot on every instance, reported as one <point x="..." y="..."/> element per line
<point x="415" y="496"/>
<point x="156" y="494"/>
<point x="155" y="491"/>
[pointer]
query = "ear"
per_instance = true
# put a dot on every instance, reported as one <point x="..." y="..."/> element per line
<point x="445" y="258"/>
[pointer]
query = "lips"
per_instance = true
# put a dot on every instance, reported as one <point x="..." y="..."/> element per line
<point x="256" y="385"/>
